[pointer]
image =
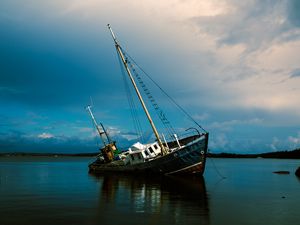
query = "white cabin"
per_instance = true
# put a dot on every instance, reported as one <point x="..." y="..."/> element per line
<point x="139" y="153"/>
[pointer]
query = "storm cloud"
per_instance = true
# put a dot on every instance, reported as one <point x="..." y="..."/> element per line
<point x="224" y="61"/>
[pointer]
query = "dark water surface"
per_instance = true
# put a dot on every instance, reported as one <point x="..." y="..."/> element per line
<point x="45" y="190"/>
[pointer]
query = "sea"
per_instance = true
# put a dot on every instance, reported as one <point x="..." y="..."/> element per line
<point x="59" y="190"/>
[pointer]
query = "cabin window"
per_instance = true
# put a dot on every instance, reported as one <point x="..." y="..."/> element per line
<point x="132" y="157"/>
<point x="150" y="149"/>
<point x="155" y="146"/>
<point x="139" y="156"/>
<point x="146" y="153"/>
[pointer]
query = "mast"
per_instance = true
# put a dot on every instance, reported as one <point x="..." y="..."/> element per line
<point x="97" y="126"/>
<point x="163" y="149"/>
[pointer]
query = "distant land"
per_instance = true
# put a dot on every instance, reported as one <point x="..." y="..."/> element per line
<point x="294" y="154"/>
<point x="48" y="154"/>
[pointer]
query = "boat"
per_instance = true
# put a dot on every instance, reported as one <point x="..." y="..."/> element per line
<point x="183" y="155"/>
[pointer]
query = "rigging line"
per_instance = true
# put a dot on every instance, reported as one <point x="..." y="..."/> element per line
<point x="133" y="111"/>
<point x="158" y="110"/>
<point x="130" y="102"/>
<point x="216" y="169"/>
<point x="174" y="102"/>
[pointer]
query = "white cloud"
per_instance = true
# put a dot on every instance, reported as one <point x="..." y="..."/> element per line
<point x="201" y="117"/>
<point x="285" y="143"/>
<point x="228" y="125"/>
<point x="219" y="142"/>
<point x="130" y="137"/>
<point x="294" y="141"/>
<point x="275" y="144"/>
<point x="45" y="135"/>
<point x="85" y="129"/>
<point x="115" y="132"/>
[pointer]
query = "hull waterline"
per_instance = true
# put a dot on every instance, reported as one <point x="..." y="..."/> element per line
<point x="189" y="159"/>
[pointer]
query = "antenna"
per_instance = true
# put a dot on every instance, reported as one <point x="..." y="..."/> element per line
<point x="112" y="34"/>
<point x="92" y="103"/>
<point x="88" y="108"/>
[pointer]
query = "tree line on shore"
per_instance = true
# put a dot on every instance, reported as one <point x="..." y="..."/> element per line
<point x="294" y="154"/>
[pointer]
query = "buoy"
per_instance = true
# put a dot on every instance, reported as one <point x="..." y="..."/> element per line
<point x="297" y="173"/>
<point x="282" y="172"/>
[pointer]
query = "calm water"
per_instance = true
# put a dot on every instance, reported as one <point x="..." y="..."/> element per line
<point x="44" y="190"/>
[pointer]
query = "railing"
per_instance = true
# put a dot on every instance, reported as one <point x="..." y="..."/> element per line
<point x="189" y="135"/>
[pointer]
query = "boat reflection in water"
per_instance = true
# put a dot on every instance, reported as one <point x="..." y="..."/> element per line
<point x="163" y="200"/>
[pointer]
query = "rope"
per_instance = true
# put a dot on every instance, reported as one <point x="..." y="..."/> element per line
<point x="172" y="100"/>
<point x="158" y="110"/>
<point x="216" y="169"/>
<point x="131" y="103"/>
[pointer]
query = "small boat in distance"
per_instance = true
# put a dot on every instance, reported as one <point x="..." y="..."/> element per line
<point x="182" y="155"/>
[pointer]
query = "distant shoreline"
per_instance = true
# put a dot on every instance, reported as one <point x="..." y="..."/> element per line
<point x="48" y="154"/>
<point x="295" y="154"/>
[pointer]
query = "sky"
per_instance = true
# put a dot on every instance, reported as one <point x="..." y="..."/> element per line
<point x="233" y="65"/>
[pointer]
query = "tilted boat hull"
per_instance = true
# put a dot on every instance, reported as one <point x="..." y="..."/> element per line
<point x="188" y="160"/>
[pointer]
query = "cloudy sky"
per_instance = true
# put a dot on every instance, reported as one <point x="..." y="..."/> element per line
<point x="233" y="65"/>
